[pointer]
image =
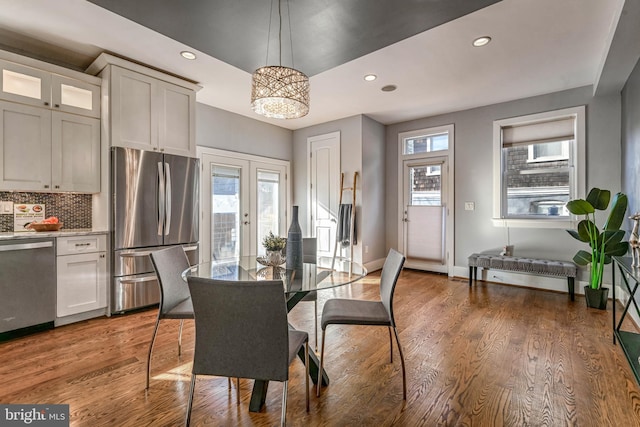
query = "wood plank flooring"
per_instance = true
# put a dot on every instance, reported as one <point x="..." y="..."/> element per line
<point x="490" y="355"/>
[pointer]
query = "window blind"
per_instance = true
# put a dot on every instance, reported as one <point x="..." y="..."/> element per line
<point x="540" y="132"/>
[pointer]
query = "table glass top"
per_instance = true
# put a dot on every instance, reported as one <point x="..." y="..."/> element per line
<point x="312" y="276"/>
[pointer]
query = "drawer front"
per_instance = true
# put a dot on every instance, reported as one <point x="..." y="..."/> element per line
<point x="81" y="244"/>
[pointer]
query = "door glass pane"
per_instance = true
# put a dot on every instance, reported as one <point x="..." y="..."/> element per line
<point x="76" y="97"/>
<point x="225" y="212"/>
<point x="425" y="185"/>
<point x="268" y="207"/>
<point x="21" y="84"/>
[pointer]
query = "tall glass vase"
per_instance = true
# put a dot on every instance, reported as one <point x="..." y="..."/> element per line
<point x="294" y="243"/>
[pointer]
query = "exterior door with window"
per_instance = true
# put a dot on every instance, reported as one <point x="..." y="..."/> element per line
<point x="424" y="216"/>
<point x="243" y="199"/>
<point x="425" y="229"/>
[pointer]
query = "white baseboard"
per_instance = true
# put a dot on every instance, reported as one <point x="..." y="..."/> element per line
<point x="374" y="265"/>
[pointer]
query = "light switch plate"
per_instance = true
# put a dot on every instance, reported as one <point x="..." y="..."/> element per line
<point x="6" y="207"/>
<point x="469" y="206"/>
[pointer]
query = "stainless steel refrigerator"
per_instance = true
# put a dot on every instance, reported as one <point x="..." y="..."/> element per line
<point x="154" y="206"/>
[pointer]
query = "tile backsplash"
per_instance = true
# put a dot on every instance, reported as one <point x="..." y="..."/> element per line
<point x="74" y="210"/>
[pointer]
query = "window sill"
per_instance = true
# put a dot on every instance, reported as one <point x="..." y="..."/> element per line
<point x="533" y="223"/>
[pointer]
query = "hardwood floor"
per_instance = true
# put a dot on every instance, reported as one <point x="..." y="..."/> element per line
<point x="491" y="355"/>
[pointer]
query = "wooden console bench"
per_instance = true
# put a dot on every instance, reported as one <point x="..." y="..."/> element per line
<point x="542" y="267"/>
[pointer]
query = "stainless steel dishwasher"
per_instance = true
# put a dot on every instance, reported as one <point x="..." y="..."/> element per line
<point x="27" y="286"/>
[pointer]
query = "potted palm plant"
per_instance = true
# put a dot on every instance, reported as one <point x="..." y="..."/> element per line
<point x="603" y="243"/>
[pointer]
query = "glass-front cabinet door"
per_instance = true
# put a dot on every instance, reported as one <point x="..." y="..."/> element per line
<point x="27" y="85"/>
<point x="19" y="83"/>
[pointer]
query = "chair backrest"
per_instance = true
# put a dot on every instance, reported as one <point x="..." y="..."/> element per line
<point x="169" y="264"/>
<point x="310" y="250"/>
<point x="241" y="329"/>
<point x="388" y="279"/>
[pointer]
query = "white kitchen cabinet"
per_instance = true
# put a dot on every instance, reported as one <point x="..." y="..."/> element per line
<point x="44" y="150"/>
<point x="25" y="147"/>
<point x="82" y="274"/>
<point x="151" y="114"/>
<point x="32" y="86"/>
<point x="75" y="153"/>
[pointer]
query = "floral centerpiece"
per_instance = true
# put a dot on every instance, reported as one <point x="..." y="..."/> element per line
<point x="274" y="246"/>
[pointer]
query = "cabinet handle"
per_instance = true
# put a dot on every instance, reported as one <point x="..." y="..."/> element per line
<point x="83" y="244"/>
<point x="162" y="149"/>
<point x="102" y="256"/>
<point x="57" y="105"/>
<point x="57" y="186"/>
<point x="46" y="103"/>
<point x="46" y="186"/>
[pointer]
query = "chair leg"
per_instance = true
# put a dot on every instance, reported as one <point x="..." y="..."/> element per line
<point x="321" y="361"/>
<point x="283" y="418"/>
<point x="180" y="337"/>
<point x="306" y="373"/>
<point x="390" y="344"/>
<point x="315" y="321"/>
<point x="187" y="420"/>
<point x="404" y="375"/>
<point x="153" y="340"/>
<point x="237" y="391"/>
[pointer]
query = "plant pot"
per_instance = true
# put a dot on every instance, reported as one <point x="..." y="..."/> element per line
<point x="274" y="257"/>
<point x="596" y="298"/>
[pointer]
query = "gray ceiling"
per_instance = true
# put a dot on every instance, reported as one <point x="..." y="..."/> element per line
<point x="325" y="33"/>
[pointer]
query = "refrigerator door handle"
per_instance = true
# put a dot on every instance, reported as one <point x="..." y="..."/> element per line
<point x="161" y="198"/>
<point x="167" y="224"/>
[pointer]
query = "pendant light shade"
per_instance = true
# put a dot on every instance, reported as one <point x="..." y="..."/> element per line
<point x="280" y="92"/>
<point x="277" y="91"/>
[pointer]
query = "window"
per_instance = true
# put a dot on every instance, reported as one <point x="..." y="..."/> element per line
<point x="538" y="166"/>
<point x="426" y="143"/>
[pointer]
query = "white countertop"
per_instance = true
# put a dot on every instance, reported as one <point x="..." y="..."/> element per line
<point x="39" y="234"/>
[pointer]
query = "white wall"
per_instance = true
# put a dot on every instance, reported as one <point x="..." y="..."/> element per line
<point x="222" y="129"/>
<point x="473" y="165"/>
<point x="372" y="229"/>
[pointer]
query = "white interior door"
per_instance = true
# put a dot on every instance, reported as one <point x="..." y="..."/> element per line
<point x="425" y="187"/>
<point x="324" y="188"/>
<point x="243" y="199"/>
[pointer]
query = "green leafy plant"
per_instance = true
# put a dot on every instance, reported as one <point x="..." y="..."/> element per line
<point x="273" y="243"/>
<point x="603" y="244"/>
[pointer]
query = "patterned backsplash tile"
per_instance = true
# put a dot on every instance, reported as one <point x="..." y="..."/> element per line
<point x="74" y="210"/>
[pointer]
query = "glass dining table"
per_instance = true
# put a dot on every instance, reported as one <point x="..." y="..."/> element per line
<point x="325" y="273"/>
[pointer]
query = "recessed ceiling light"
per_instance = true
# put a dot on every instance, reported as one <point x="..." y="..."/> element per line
<point x="481" y="41"/>
<point x="389" y="88"/>
<point x="188" y="55"/>
<point x="370" y="77"/>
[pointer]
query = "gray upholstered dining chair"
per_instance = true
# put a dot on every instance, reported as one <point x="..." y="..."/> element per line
<point x="242" y="331"/>
<point x="310" y="256"/>
<point x="339" y="311"/>
<point x="175" y="299"/>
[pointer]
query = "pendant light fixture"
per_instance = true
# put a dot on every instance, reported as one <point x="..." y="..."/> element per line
<point x="276" y="91"/>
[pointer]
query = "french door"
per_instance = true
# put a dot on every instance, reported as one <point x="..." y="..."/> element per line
<point x="243" y="199"/>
